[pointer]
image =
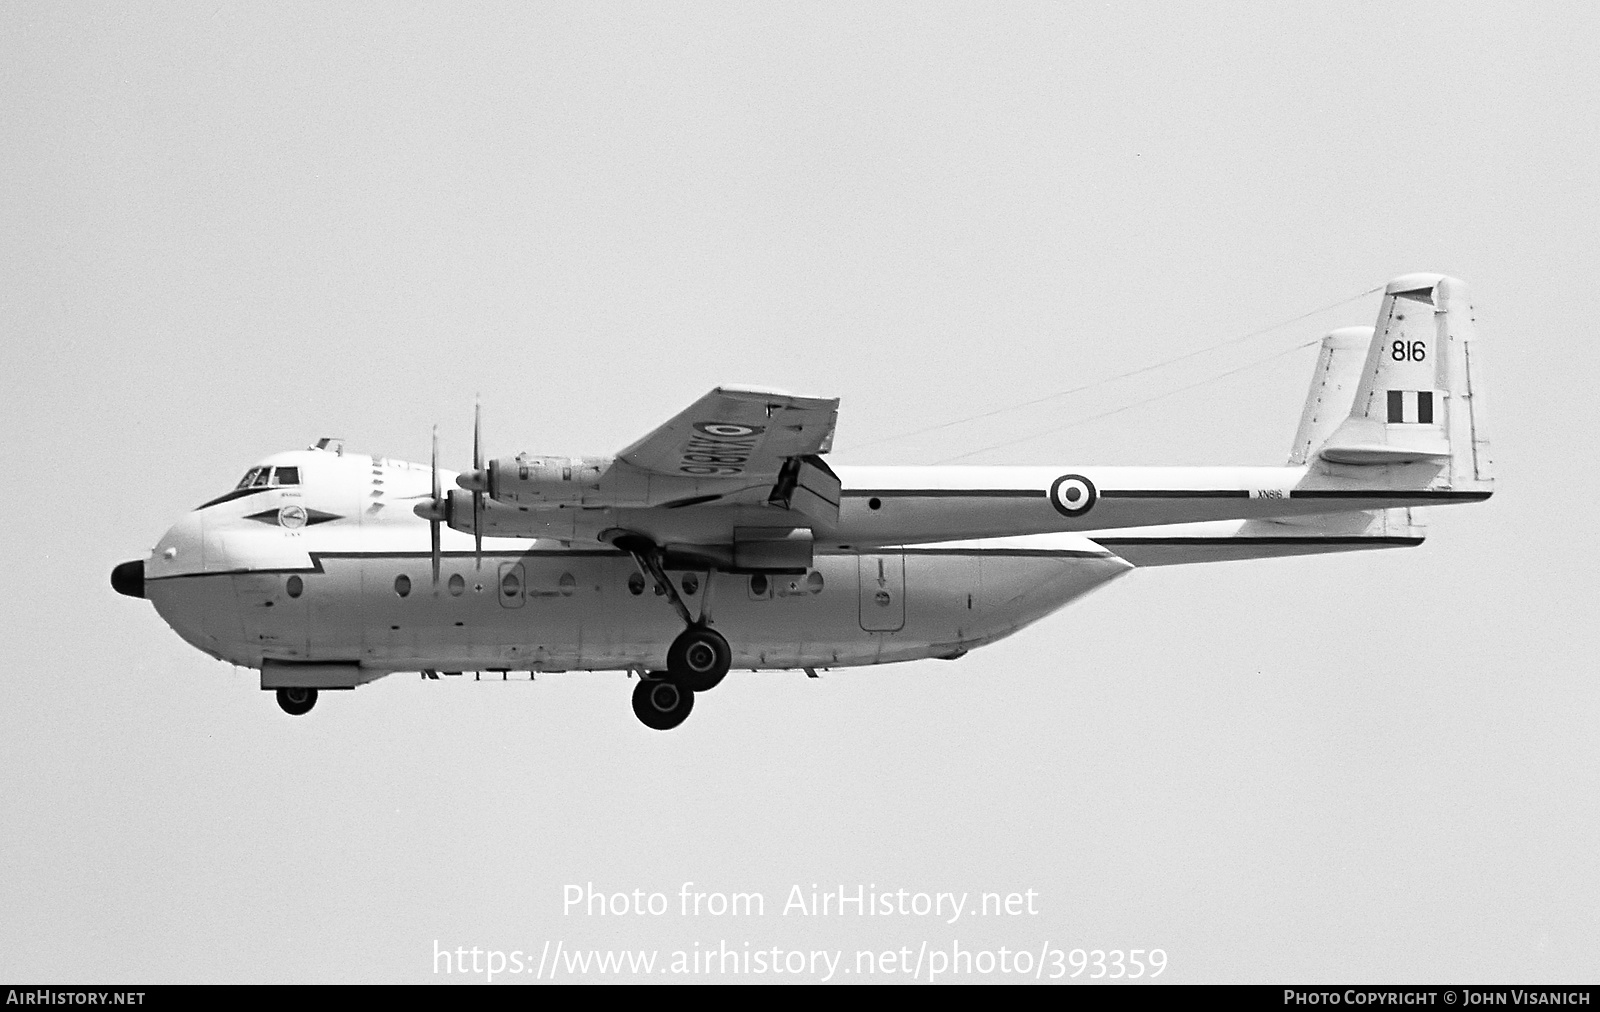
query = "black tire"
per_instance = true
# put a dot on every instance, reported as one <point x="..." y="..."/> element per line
<point x="698" y="659"/>
<point x="297" y="701"/>
<point x="661" y="703"/>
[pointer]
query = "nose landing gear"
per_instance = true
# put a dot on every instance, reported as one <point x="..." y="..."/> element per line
<point x="297" y="701"/>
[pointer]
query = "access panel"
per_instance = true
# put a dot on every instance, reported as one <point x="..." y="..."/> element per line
<point x="883" y="591"/>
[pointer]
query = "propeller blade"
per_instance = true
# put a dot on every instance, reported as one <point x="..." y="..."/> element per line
<point x="435" y="462"/>
<point x="477" y="528"/>
<point x="433" y="532"/>
<point x="438" y="511"/>
<point x="477" y="493"/>
<point x="477" y="434"/>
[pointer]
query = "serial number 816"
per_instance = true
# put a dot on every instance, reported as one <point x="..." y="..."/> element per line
<point x="1415" y="351"/>
<point x="1111" y="964"/>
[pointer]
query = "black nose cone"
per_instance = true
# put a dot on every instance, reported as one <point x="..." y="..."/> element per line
<point x="128" y="578"/>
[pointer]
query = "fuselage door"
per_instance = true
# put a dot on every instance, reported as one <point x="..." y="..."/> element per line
<point x="513" y="585"/>
<point x="883" y="591"/>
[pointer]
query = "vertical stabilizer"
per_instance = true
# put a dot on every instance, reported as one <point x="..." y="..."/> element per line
<point x="1419" y="400"/>
<point x="1333" y="389"/>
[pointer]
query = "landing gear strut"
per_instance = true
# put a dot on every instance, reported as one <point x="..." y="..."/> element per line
<point x="297" y="701"/>
<point x="660" y="703"/>
<point x="699" y="658"/>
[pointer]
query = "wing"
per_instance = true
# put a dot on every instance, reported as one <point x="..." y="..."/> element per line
<point x="737" y="432"/>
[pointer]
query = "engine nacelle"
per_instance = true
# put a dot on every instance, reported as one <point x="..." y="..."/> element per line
<point x="526" y="480"/>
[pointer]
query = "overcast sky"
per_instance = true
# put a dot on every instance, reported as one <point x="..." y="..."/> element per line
<point x="232" y="231"/>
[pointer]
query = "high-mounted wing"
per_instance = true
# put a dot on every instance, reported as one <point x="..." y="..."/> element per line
<point x="737" y="432"/>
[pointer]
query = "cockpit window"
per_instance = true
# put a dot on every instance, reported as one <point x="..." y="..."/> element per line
<point x="264" y="477"/>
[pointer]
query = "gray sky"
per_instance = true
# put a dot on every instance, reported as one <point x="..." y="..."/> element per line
<point x="230" y="231"/>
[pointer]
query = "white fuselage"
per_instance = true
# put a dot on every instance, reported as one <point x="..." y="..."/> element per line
<point x="236" y="582"/>
<point x="921" y="562"/>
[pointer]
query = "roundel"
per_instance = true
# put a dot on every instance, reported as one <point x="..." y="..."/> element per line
<point x="728" y="430"/>
<point x="292" y="517"/>
<point x="1073" y="495"/>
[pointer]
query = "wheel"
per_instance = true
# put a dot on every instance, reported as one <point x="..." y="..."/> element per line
<point x="698" y="659"/>
<point x="661" y="703"/>
<point x="297" y="701"/>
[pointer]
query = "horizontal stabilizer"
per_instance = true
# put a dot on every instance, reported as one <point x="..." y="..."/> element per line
<point x="1232" y="540"/>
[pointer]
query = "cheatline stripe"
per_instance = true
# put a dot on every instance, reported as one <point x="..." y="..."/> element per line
<point x="1175" y="493"/>
<point x="239" y="493"/>
<point x="940" y="493"/>
<point x="318" y="557"/>
<point x="1163" y="493"/>
<point x="1303" y="540"/>
<point x="1058" y="553"/>
<point x="1319" y="493"/>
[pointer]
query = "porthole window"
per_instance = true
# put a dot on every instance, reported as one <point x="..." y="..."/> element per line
<point x="758" y="585"/>
<point x="568" y="584"/>
<point x="636" y="584"/>
<point x="510" y="586"/>
<point x="874" y="503"/>
<point x="814" y="582"/>
<point x="691" y="583"/>
<point x="457" y="585"/>
<point x="402" y="585"/>
<point x="294" y="586"/>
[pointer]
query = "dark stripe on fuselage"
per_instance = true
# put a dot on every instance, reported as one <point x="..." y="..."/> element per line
<point x="238" y="493"/>
<point x="1168" y="493"/>
<point x="1007" y="553"/>
<point x="596" y="553"/>
<point x="1174" y="493"/>
<point x="1439" y="494"/>
<point x="1304" y="540"/>
<point x="317" y="557"/>
<point x="945" y="493"/>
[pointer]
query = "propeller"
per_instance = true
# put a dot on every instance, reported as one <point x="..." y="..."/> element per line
<point x="436" y="510"/>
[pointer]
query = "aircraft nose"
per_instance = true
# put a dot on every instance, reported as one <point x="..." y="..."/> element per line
<point x="128" y="579"/>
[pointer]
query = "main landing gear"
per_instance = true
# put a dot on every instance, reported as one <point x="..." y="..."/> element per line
<point x="660" y="703"/>
<point x="297" y="701"/>
<point x="697" y="660"/>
